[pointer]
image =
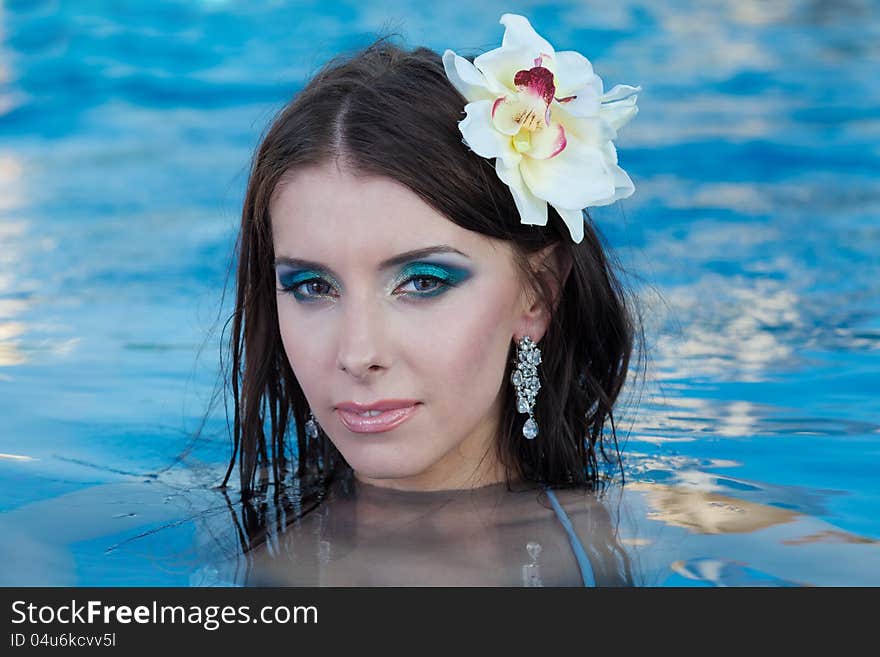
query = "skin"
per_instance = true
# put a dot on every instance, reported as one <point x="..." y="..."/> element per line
<point x="362" y="333"/>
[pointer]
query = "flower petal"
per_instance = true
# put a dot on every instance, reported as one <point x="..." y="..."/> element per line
<point x="504" y="112"/>
<point x="519" y="33"/>
<point x="585" y="104"/>
<point x="574" y="219"/>
<point x="573" y="73"/>
<point x="481" y="136"/>
<point x="499" y="67"/>
<point x="532" y="210"/>
<point x="590" y="129"/>
<point x="619" y="105"/>
<point x="623" y="184"/>
<point x="547" y="142"/>
<point x="574" y="179"/>
<point x="620" y="92"/>
<point x="465" y="77"/>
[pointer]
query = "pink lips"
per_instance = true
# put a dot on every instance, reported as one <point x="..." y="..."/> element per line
<point x="388" y="419"/>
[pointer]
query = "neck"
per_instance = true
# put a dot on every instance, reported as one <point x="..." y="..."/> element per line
<point x="488" y="471"/>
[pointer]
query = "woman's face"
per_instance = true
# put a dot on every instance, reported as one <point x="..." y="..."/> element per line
<point x="361" y="321"/>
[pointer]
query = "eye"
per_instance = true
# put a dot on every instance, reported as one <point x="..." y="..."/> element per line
<point x="426" y="283"/>
<point x="417" y="285"/>
<point x="310" y="289"/>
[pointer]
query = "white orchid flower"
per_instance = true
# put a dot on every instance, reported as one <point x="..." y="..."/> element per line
<point x="544" y="117"/>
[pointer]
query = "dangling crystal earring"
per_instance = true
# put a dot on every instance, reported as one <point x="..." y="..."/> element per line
<point x="311" y="426"/>
<point x="525" y="379"/>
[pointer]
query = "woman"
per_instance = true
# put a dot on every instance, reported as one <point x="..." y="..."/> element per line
<point x="425" y="300"/>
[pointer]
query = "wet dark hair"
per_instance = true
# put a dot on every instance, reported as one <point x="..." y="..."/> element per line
<point x="392" y="112"/>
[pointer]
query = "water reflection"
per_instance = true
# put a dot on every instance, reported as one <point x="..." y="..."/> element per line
<point x="709" y="513"/>
<point x="755" y="217"/>
<point x="369" y="536"/>
<point x="16" y="457"/>
<point x="173" y="531"/>
<point x="723" y="327"/>
<point x="683" y="419"/>
<point x="718" y="572"/>
<point x="12" y="234"/>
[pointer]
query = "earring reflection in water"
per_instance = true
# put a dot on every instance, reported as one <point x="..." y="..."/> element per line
<point x="531" y="572"/>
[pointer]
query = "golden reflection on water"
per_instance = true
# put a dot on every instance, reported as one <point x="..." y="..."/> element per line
<point x="831" y="536"/>
<point x="10" y="175"/>
<point x="11" y="232"/>
<point x="15" y="457"/>
<point x="11" y="200"/>
<point x="704" y="512"/>
<point x="9" y="353"/>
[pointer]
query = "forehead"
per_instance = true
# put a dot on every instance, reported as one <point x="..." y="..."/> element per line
<point x="330" y="214"/>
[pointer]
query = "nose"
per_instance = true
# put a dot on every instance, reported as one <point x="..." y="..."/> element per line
<point x="361" y="346"/>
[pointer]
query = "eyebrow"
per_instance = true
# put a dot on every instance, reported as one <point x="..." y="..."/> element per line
<point x="385" y="264"/>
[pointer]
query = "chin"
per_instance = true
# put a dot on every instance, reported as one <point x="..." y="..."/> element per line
<point x="387" y="472"/>
<point x="374" y="467"/>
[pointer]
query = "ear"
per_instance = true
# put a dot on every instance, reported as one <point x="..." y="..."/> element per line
<point x="553" y="265"/>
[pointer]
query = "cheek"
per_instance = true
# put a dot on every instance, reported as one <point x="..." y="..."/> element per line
<point x="285" y="326"/>
<point x="303" y="354"/>
<point x="470" y="350"/>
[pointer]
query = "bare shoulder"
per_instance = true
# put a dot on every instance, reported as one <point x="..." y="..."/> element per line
<point x="577" y="500"/>
<point x="535" y="505"/>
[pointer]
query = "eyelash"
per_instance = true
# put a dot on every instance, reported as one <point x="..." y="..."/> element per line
<point x="427" y="294"/>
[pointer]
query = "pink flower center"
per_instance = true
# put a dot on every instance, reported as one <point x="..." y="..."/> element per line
<point x="536" y="82"/>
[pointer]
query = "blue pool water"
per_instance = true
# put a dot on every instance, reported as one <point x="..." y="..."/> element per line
<point x="752" y="241"/>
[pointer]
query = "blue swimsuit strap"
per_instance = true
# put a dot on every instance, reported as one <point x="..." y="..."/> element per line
<point x="580" y="554"/>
